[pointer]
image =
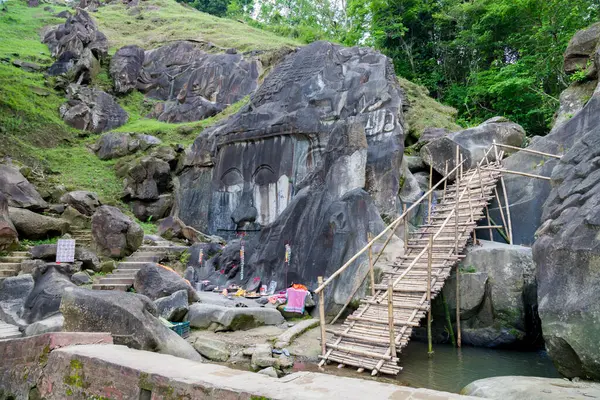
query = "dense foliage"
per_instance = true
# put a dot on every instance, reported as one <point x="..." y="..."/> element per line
<point x="484" y="57"/>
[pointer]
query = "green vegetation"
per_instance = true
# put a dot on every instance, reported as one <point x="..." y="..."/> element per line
<point x="469" y="269"/>
<point x="425" y="112"/>
<point x="157" y="22"/>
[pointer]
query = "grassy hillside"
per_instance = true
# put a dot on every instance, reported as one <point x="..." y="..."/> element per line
<point x="31" y="130"/>
<point x="156" y="22"/>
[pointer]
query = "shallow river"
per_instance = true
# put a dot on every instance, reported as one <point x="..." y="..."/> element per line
<point x="450" y="369"/>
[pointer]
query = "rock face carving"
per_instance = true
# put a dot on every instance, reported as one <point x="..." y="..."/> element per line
<point x="245" y="171"/>
<point x="312" y="161"/>
<point x="567" y="253"/>
<point x="191" y="84"/>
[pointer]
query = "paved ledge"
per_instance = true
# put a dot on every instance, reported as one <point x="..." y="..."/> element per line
<point x="117" y="372"/>
<point x="23" y="360"/>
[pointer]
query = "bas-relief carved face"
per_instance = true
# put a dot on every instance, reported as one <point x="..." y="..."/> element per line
<point x="254" y="181"/>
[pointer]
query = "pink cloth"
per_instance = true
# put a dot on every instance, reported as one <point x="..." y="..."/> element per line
<point x="295" y="300"/>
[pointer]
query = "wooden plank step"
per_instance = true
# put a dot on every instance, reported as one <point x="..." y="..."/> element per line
<point x="365" y="353"/>
<point x="382" y="321"/>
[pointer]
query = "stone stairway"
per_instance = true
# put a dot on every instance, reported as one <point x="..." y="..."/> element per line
<point x="8" y="331"/>
<point x="122" y="278"/>
<point x="10" y="265"/>
<point x="83" y="237"/>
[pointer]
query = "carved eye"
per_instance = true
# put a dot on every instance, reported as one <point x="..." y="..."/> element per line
<point x="233" y="180"/>
<point x="264" y="175"/>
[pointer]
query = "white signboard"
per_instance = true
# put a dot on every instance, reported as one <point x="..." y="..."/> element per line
<point x="65" y="251"/>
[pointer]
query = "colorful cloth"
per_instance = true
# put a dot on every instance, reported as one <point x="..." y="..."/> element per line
<point x="295" y="300"/>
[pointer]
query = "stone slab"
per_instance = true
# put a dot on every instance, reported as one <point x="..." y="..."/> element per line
<point x="162" y="375"/>
<point x="531" y="388"/>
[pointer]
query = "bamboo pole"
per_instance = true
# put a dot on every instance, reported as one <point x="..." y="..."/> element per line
<point x="430" y="193"/>
<point x="371" y="271"/>
<point x="405" y="229"/>
<point x="392" y="226"/>
<point x="391" y="319"/>
<point x="445" y="182"/>
<point x="448" y="320"/>
<point x="429" y="260"/>
<point x="501" y="210"/>
<point x="458" y="329"/>
<point x="510" y="232"/>
<point x="322" y="317"/>
<point x="508" y="171"/>
<point x="541" y="153"/>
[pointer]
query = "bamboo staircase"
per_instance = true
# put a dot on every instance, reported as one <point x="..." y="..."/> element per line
<point x="398" y="304"/>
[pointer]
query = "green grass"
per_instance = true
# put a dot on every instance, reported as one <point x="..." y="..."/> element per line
<point x="28" y="108"/>
<point x="78" y="168"/>
<point x="183" y="133"/>
<point x="156" y="22"/>
<point x="425" y="112"/>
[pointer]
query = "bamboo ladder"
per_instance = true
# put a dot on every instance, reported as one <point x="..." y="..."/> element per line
<point x="380" y="328"/>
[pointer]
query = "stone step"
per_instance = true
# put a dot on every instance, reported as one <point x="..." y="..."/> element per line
<point x="117" y="286"/>
<point x="7" y="273"/>
<point x="121" y="272"/>
<point x="13" y="259"/>
<point x="115" y="280"/>
<point x="10" y="265"/>
<point x="144" y="259"/>
<point x="20" y="254"/>
<point x="131" y="264"/>
<point x="164" y="248"/>
<point x="8" y="331"/>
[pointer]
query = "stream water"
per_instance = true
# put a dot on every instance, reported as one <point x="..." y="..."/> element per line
<point x="451" y="369"/>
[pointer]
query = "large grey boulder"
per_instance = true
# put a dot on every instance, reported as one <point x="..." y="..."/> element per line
<point x="36" y="226"/>
<point x="498" y="303"/>
<point x="17" y="189"/>
<point x="212" y="349"/>
<point x="13" y="295"/>
<point x="78" y="46"/>
<point x="125" y="67"/>
<point x="51" y="281"/>
<point x="131" y="318"/>
<point x="155" y="282"/>
<point x="472" y="143"/>
<point x="114" y="144"/>
<point x="581" y="48"/>
<point x="84" y="202"/>
<point x="531" y="388"/>
<point x="114" y="234"/>
<point x="174" y="307"/>
<point x="154" y="209"/>
<point x="313" y="160"/>
<point x="8" y="233"/>
<point x="91" y="109"/>
<point x="566" y="253"/>
<point x="51" y="324"/>
<point x="572" y="100"/>
<point x="146" y="178"/>
<point x="184" y="77"/>
<point x="219" y="318"/>
<point x="81" y="278"/>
